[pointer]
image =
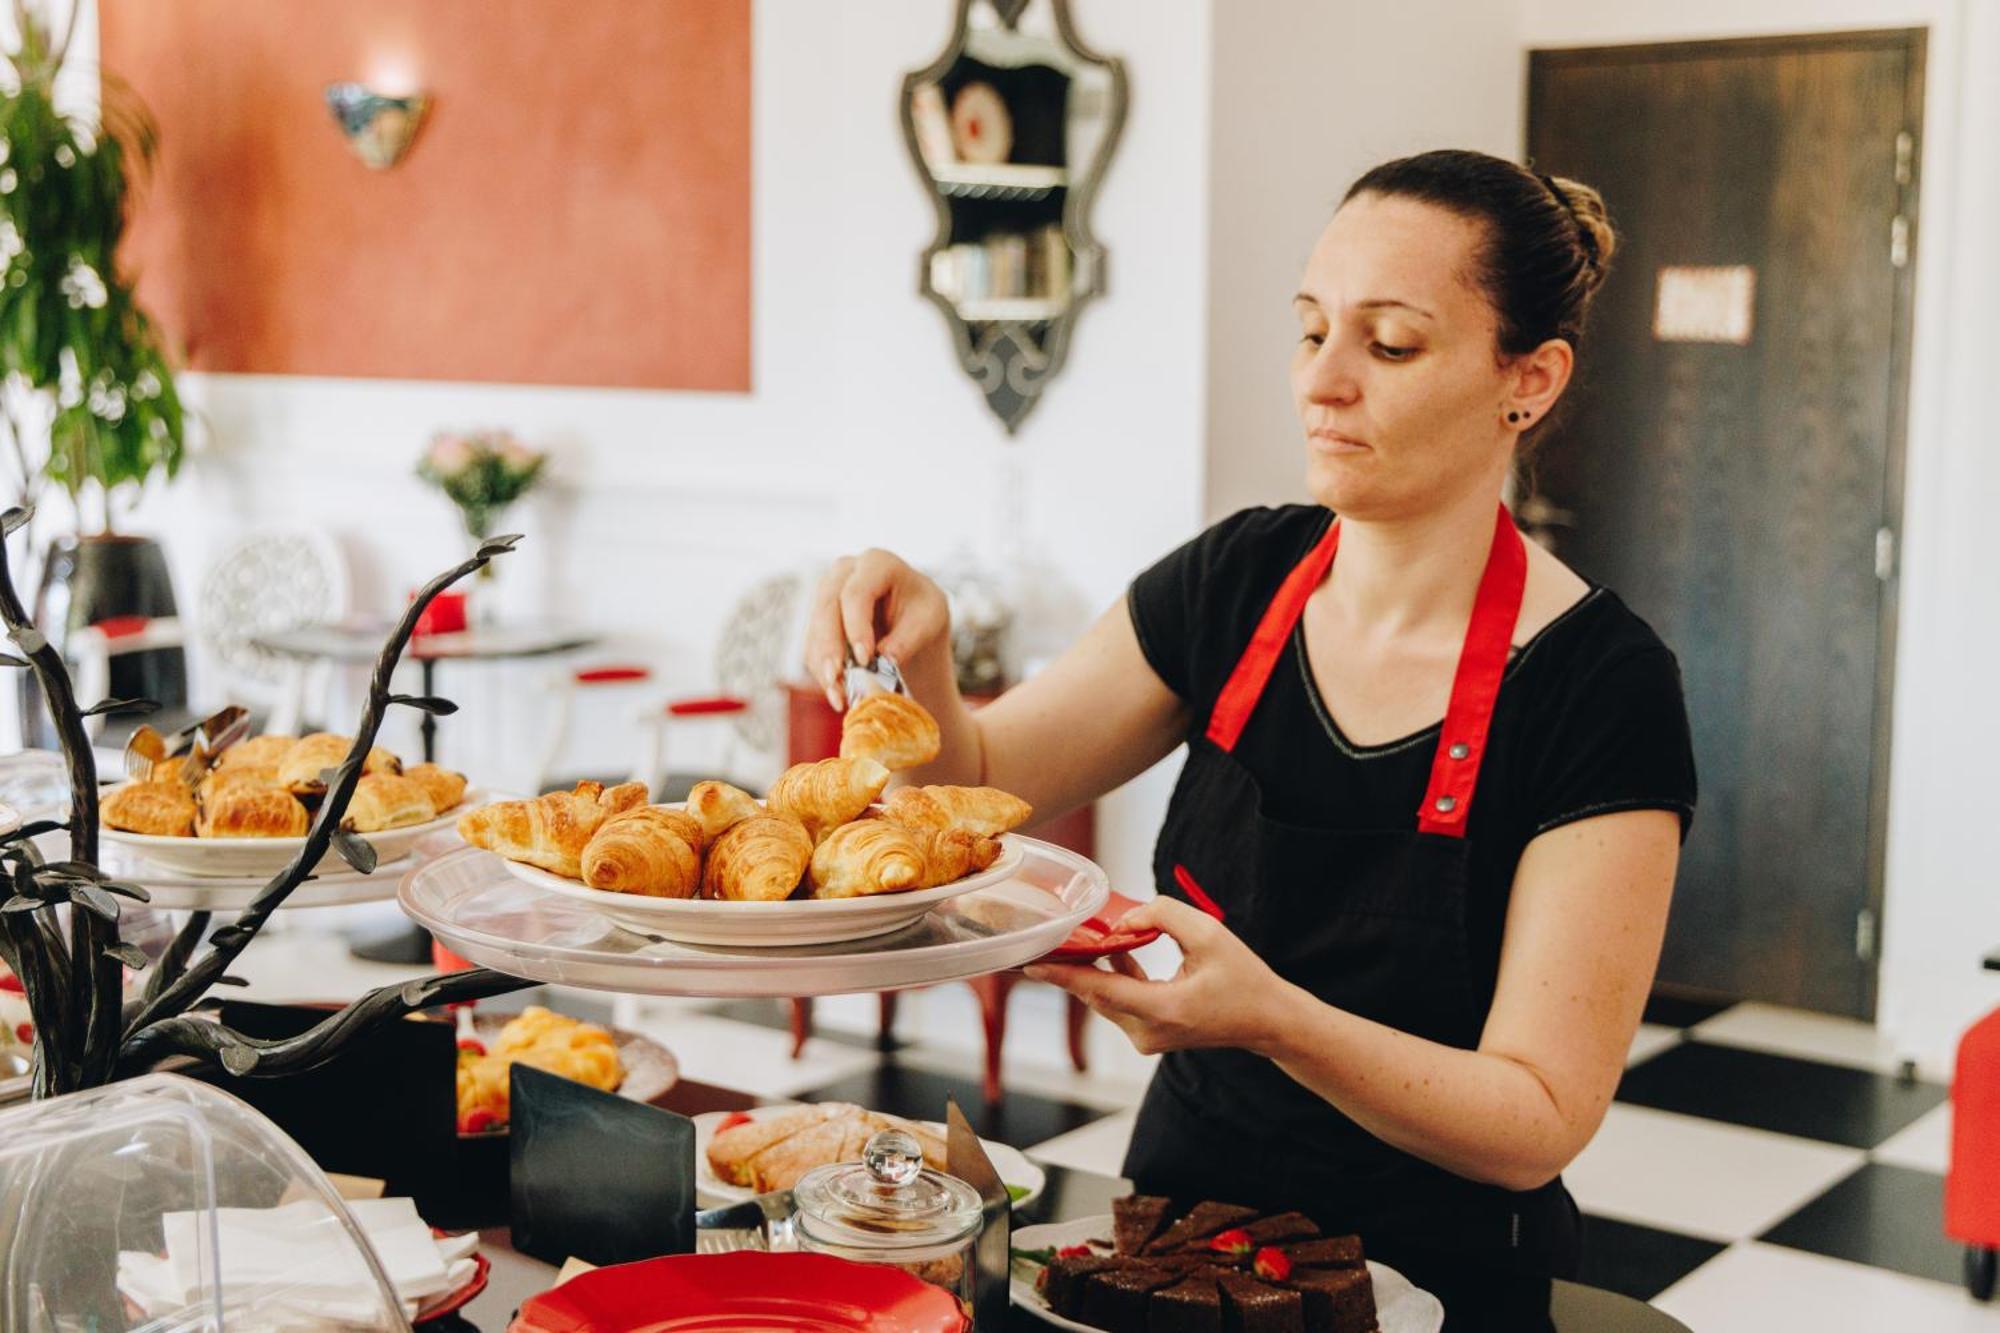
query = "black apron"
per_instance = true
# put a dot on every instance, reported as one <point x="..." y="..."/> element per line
<point x="1372" y="922"/>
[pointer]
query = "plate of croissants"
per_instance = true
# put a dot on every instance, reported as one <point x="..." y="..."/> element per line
<point x="826" y="856"/>
<point x="248" y="815"/>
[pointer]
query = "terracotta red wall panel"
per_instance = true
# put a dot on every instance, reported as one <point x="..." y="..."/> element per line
<point x="575" y="211"/>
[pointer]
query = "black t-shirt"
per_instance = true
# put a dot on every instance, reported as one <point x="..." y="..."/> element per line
<point x="1590" y="717"/>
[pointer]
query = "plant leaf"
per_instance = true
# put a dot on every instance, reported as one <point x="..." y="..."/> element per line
<point x="97" y="902"/>
<point x="133" y="891"/>
<point x="500" y="545"/>
<point x="357" y="852"/>
<point x="429" y="703"/>
<point x="126" y="707"/>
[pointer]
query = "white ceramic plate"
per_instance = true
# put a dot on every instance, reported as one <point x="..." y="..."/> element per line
<point x="769" y="925"/>
<point x="711" y="1191"/>
<point x="1399" y="1306"/>
<point x="248" y="858"/>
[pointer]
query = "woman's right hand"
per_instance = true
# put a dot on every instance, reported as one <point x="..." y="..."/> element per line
<point x="874" y="604"/>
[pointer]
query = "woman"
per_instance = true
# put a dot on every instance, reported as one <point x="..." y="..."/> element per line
<point x="1415" y="951"/>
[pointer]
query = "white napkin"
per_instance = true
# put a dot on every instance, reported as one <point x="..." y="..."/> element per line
<point x="295" y="1265"/>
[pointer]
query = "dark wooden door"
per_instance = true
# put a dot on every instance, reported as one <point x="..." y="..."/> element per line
<point x="1742" y="489"/>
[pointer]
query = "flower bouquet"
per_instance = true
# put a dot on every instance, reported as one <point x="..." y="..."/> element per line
<point x="482" y="472"/>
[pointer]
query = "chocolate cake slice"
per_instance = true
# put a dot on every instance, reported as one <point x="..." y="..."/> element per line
<point x="1136" y="1219"/>
<point x="1282" y="1227"/>
<point x="1063" y="1279"/>
<point x="1252" y="1306"/>
<point x="1326" y="1252"/>
<point x="1337" y="1300"/>
<point x="1192" y="1305"/>
<point x="1117" y="1299"/>
<point x="1202" y="1221"/>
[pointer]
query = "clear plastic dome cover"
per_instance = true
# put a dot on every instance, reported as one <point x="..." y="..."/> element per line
<point x="164" y="1204"/>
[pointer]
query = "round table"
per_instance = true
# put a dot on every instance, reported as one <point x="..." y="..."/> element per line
<point x="361" y="642"/>
<point x="355" y="642"/>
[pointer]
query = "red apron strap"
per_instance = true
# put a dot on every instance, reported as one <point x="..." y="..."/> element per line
<point x="1246" y="683"/>
<point x="1481" y="665"/>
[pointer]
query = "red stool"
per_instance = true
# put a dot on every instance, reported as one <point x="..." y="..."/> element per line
<point x="1972" y="1184"/>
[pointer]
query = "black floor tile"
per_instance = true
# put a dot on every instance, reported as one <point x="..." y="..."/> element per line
<point x="1886" y="1216"/>
<point x="1640" y="1262"/>
<point x="1021" y="1119"/>
<point x="1669" y="1011"/>
<point x="1802" y="1097"/>
<point x="1072" y="1194"/>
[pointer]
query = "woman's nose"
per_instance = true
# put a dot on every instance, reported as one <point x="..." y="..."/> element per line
<point x="1329" y="377"/>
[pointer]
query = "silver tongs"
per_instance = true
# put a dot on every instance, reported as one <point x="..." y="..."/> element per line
<point x="204" y="742"/>
<point x="881" y="676"/>
<point x="765" y="1222"/>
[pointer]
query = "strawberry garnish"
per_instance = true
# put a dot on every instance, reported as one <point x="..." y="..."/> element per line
<point x="1273" y="1265"/>
<point x="25" y="1033"/>
<point x="732" y="1120"/>
<point x="12" y="984"/>
<point x="1074" y="1251"/>
<point x="1234" y="1242"/>
<point x="472" y="1044"/>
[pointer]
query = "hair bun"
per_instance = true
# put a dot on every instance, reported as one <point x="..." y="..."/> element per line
<point x="1586" y="205"/>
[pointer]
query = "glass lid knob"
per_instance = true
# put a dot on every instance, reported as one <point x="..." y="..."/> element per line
<point x="892" y="1157"/>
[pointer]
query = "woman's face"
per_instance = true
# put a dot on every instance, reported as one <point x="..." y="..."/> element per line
<point x="1396" y="375"/>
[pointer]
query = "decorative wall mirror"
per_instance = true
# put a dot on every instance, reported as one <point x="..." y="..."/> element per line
<point x="1011" y="129"/>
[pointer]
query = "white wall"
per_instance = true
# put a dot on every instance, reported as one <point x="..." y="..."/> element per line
<point x="1942" y="909"/>
<point x="860" y="429"/>
<point x="1305" y="104"/>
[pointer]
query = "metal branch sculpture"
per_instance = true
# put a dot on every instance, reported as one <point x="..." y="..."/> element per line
<point x="85" y="1032"/>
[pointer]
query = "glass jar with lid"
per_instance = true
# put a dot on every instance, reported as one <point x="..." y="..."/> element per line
<point x="888" y="1209"/>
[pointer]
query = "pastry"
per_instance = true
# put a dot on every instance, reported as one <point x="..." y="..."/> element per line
<point x="1325" y="1252"/>
<point x="1117" y="1300"/>
<point x="717" y="805"/>
<point x="1192" y="1305"/>
<point x="954" y="854"/>
<point x="1256" y="1307"/>
<point x="652" y="850"/>
<point x="785" y="1162"/>
<point x="161" y="809"/>
<point x="299" y="771"/>
<point x="1281" y="1227"/>
<point x="253" y="812"/>
<point x="866" y="857"/>
<point x="892" y="729"/>
<point x="266" y="751"/>
<point x="1336" y="1300"/>
<point x="1061" y="1283"/>
<point x="220" y="780"/>
<point x="730" y="1151"/>
<point x="551" y="830"/>
<point x="760" y="859"/>
<point x="983" y="810"/>
<point x="445" y="788"/>
<point x="385" y="801"/>
<point x="771" y="1152"/>
<point x="1202" y="1221"/>
<point x="824" y="795"/>
<point x="549" y="1041"/>
<point x="169" y="771"/>
<point x="1136" y="1219"/>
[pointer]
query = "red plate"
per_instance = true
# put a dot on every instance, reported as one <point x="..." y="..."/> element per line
<point x="746" y="1291"/>
<point x="1099" y="937"/>
<point x="456" y="1300"/>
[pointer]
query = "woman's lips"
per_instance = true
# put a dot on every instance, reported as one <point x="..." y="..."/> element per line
<point x="1333" y="442"/>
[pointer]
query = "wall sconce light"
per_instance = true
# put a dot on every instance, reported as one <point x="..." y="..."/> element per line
<point x="379" y="129"/>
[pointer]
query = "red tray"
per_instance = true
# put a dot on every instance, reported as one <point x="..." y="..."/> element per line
<point x="1099" y="937"/>
<point x="745" y="1291"/>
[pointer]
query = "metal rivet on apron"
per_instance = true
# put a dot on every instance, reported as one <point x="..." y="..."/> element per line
<point x="1445" y="804"/>
<point x="1460" y="750"/>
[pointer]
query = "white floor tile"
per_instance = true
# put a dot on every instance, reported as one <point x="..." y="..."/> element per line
<point x="1924" y="1146"/>
<point x="1649" y="1041"/>
<point x="1807" y="1036"/>
<point x="1700" y="1177"/>
<point x="1096" y="1147"/>
<point x="1770" y="1289"/>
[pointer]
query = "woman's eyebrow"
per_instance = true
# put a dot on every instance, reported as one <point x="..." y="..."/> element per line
<point x="1373" y="303"/>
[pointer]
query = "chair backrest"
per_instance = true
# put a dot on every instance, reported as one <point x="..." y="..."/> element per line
<point x="267" y="581"/>
<point x="758" y="645"/>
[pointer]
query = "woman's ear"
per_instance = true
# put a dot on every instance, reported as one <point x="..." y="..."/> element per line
<point x="1536" y="381"/>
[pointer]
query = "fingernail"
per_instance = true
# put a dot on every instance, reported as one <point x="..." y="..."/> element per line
<point x="860" y="654"/>
<point x="833" y="699"/>
<point x="1035" y="972"/>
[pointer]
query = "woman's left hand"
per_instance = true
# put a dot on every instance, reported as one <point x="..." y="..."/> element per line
<point x="1224" y="994"/>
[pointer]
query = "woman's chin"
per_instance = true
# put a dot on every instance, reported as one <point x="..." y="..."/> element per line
<point x="1336" y="484"/>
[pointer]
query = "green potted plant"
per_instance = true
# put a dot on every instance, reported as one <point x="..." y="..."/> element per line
<point x="91" y="404"/>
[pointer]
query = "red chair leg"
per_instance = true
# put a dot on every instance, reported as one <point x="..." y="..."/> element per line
<point x="802" y="1026"/>
<point x="885" y="1025"/>
<point x="1079" y="1014"/>
<point x="992" y="991"/>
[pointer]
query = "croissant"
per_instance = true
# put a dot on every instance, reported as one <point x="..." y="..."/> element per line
<point x="955" y="853"/>
<point x="253" y="812"/>
<point x="266" y="751"/>
<point x="169" y="771"/>
<point x="299" y="770"/>
<point x="893" y="729"/>
<point x="983" y="810"/>
<point x="865" y="857"/>
<point x="827" y="794"/>
<point x="717" y="805"/>
<point x="444" y="787"/>
<point x="759" y="860"/>
<point x="385" y="801"/>
<point x="162" y="809"/>
<point x="651" y="850"/>
<point x="220" y="780"/>
<point x="552" y="830"/>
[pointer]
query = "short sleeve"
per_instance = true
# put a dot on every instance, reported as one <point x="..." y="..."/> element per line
<point x="1194" y="609"/>
<point x="1621" y="743"/>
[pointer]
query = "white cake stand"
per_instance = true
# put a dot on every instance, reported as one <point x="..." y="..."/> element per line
<point x="469" y="901"/>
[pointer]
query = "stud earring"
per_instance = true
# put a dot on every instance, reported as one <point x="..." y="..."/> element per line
<point x="1513" y="416"/>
